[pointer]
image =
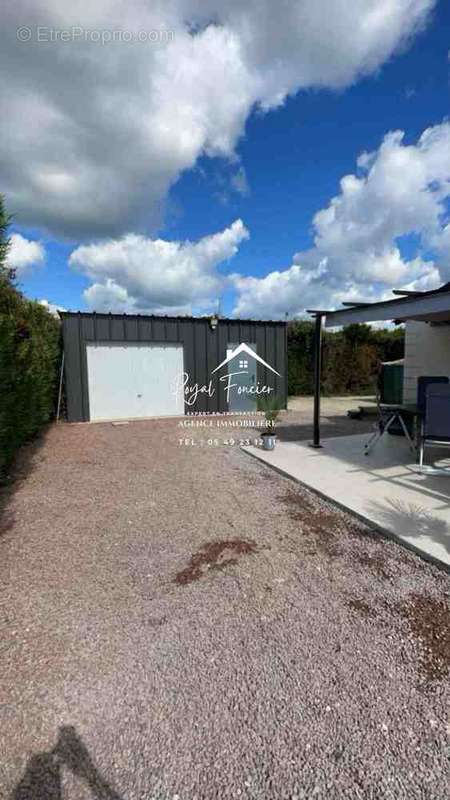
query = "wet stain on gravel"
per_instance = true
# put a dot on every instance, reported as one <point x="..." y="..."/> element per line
<point x="214" y="555"/>
<point x="269" y="476"/>
<point x="376" y="564"/>
<point x="361" y="606"/>
<point x="429" y="620"/>
<point x="6" y="523"/>
<point x="299" y="502"/>
<point x="156" y="622"/>
<point x="315" y="522"/>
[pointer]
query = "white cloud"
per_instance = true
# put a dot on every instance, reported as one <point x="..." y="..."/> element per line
<point x="111" y="297"/>
<point x="51" y="307"/>
<point x="136" y="273"/>
<point x="24" y="253"/>
<point x="399" y="191"/>
<point x="96" y="134"/>
<point x="239" y="182"/>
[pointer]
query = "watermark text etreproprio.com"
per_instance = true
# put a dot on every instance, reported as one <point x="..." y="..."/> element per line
<point x="45" y="34"/>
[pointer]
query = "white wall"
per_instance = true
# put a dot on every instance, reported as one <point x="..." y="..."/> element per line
<point x="427" y="352"/>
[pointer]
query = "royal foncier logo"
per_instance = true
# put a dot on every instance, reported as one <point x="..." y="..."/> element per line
<point x="230" y="381"/>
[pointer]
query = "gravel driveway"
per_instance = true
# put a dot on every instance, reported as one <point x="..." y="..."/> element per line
<point x="179" y="621"/>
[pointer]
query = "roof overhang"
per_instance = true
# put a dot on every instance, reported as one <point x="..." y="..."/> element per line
<point x="425" y="308"/>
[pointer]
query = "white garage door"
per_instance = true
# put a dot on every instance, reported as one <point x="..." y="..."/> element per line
<point x="134" y="380"/>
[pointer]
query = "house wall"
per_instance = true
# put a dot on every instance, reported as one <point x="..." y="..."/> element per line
<point x="427" y="352"/>
<point x="204" y="349"/>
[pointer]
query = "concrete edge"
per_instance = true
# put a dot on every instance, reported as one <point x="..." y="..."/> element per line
<point x="385" y="532"/>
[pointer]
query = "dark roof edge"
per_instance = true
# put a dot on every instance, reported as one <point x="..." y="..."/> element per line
<point x="176" y="318"/>
<point x="401" y="308"/>
<point x="407" y="298"/>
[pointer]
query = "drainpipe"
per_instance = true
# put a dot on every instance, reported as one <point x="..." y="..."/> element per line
<point x="317" y="375"/>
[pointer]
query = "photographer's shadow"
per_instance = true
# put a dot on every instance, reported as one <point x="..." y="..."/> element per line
<point x="42" y="777"/>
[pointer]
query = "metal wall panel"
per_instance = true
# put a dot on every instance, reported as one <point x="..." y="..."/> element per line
<point x="203" y="350"/>
<point x="117" y="330"/>
<point x="72" y="368"/>
<point x="131" y="330"/>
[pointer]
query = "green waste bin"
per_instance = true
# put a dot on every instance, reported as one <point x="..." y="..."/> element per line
<point x="391" y="391"/>
<point x="392" y="381"/>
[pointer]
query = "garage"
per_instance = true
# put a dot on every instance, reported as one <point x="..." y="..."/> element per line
<point x="133" y="380"/>
<point x="131" y="366"/>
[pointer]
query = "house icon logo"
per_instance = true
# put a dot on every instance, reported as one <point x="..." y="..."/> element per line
<point x="244" y="350"/>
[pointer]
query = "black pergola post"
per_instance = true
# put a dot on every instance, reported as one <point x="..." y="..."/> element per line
<point x="317" y="377"/>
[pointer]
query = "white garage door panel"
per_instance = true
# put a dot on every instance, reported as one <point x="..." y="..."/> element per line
<point x="134" y="380"/>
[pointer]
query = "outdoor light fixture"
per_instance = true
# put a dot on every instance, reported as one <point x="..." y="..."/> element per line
<point x="213" y="322"/>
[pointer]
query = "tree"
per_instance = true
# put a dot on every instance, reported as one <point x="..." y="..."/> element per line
<point x="351" y="357"/>
<point x="5" y="241"/>
<point x="358" y="334"/>
<point x="29" y="360"/>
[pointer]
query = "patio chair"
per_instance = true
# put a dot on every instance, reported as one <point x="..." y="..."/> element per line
<point x="389" y="415"/>
<point x="435" y="427"/>
<point x="422" y="384"/>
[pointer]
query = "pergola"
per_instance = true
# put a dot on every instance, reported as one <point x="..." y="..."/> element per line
<point x="432" y="307"/>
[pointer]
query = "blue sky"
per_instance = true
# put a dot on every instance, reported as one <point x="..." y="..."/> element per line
<point x="293" y="157"/>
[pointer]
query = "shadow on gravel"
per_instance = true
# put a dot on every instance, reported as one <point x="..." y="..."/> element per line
<point x="42" y="779"/>
<point x="17" y="472"/>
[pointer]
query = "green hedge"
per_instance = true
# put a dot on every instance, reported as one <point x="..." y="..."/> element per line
<point x="350" y="357"/>
<point x="29" y="365"/>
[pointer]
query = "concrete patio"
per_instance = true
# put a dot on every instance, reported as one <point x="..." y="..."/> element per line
<point x="385" y="488"/>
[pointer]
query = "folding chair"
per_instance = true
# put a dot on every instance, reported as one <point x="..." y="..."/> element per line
<point x="387" y="415"/>
<point x="435" y="427"/>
